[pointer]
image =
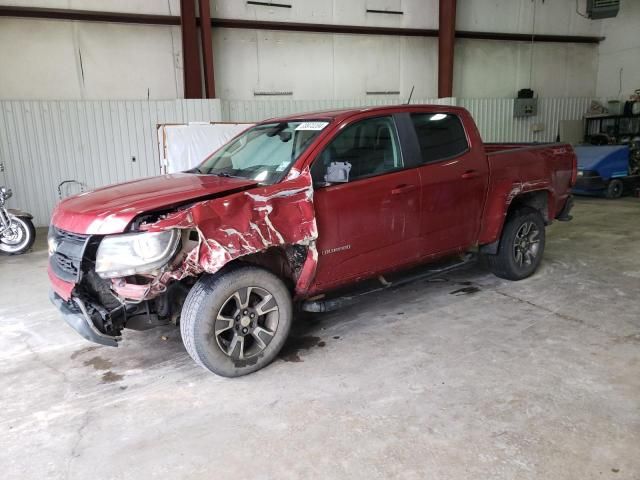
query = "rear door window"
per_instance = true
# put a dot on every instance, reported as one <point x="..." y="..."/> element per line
<point x="440" y="135"/>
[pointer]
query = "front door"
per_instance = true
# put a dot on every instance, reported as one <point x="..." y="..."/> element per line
<point x="371" y="222"/>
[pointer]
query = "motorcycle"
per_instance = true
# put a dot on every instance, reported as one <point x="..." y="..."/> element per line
<point x="17" y="232"/>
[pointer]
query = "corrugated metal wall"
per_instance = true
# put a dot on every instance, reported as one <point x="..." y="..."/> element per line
<point x="43" y="143"/>
<point x="494" y="117"/>
<point x="255" y="110"/>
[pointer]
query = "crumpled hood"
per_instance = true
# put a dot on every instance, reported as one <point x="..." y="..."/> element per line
<point x="110" y="209"/>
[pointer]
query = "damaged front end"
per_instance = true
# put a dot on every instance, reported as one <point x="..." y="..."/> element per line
<point x="140" y="279"/>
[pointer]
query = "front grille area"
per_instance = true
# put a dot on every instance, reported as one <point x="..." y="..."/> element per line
<point x="67" y="256"/>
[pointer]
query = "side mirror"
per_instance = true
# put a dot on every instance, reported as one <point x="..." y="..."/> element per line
<point x="337" y="172"/>
<point x="5" y="193"/>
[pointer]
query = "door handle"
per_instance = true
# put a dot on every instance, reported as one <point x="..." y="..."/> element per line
<point x="470" y="174"/>
<point x="403" y="189"/>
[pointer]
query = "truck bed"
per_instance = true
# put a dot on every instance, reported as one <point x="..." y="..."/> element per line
<point x="517" y="168"/>
<point x="499" y="147"/>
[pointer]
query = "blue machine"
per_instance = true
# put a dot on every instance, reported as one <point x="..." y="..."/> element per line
<point x="602" y="170"/>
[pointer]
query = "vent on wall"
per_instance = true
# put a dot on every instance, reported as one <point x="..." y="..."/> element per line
<point x="597" y="9"/>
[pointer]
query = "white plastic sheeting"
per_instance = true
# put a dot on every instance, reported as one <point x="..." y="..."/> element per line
<point x="186" y="146"/>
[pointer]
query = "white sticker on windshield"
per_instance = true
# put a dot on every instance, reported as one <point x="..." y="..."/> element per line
<point x="282" y="166"/>
<point x="312" y="125"/>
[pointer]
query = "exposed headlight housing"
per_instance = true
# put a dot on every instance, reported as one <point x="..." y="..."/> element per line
<point x="131" y="253"/>
<point x="52" y="242"/>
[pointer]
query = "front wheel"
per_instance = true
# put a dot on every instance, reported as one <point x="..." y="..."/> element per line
<point x="236" y="322"/>
<point x="521" y="245"/>
<point x="614" y="189"/>
<point x="18" y="238"/>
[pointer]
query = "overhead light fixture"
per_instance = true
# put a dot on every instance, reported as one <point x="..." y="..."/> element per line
<point x="390" y="12"/>
<point x="268" y="4"/>
<point x="270" y="93"/>
<point x="383" y="92"/>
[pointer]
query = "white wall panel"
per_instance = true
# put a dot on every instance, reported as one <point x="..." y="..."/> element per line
<point x="517" y="16"/>
<point x="62" y="60"/>
<point x="128" y="62"/>
<point x="619" y="54"/>
<point x="488" y="68"/>
<point x="43" y="143"/>
<point x="153" y="7"/>
<point x="38" y="59"/>
<point x="334" y="65"/>
<point x="417" y="13"/>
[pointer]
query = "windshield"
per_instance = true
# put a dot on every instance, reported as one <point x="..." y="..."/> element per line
<point x="263" y="153"/>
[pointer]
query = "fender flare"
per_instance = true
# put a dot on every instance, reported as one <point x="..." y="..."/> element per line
<point x="19" y="213"/>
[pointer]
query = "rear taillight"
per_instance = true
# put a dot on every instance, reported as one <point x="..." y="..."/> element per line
<point x="574" y="169"/>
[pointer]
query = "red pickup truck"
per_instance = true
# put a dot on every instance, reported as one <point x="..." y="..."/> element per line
<point x="288" y="212"/>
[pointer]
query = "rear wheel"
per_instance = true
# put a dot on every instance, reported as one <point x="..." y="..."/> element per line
<point x="235" y="323"/>
<point x="18" y="238"/>
<point x="521" y="245"/>
<point x="615" y="188"/>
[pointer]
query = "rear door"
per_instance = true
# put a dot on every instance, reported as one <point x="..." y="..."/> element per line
<point x="371" y="222"/>
<point x="453" y="180"/>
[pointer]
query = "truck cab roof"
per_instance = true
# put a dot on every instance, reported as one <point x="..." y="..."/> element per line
<point x="342" y="114"/>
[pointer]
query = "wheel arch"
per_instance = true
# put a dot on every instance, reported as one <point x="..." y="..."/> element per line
<point x="540" y="200"/>
<point x="285" y="262"/>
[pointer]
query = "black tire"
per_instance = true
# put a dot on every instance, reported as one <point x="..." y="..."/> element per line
<point x="206" y="314"/>
<point x="615" y="188"/>
<point x="24" y="243"/>
<point x="506" y="263"/>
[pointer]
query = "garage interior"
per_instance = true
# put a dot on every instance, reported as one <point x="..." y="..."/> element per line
<point x="458" y="375"/>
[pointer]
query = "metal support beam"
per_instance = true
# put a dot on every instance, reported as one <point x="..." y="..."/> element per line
<point x="190" y="54"/>
<point x="446" y="46"/>
<point x="144" y="19"/>
<point x="207" y="49"/>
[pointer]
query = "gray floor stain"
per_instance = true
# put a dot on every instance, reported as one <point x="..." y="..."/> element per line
<point x="82" y="351"/>
<point x="291" y="350"/>
<point x="98" y="363"/>
<point x="110" y="377"/>
<point x="465" y="291"/>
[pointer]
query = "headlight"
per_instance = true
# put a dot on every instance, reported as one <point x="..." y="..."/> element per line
<point x="580" y="173"/>
<point x="52" y="242"/>
<point x="131" y="253"/>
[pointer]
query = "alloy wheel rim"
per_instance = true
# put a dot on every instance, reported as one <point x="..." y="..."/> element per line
<point x="15" y="238"/>
<point x="526" y="244"/>
<point x="246" y="323"/>
<point x="14" y="235"/>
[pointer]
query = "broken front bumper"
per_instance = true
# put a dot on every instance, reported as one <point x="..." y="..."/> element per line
<point x="75" y="314"/>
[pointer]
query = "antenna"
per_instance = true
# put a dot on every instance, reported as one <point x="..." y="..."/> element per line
<point x="410" y="95"/>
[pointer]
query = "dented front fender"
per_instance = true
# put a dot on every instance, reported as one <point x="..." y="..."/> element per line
<point x="240" y="224"/>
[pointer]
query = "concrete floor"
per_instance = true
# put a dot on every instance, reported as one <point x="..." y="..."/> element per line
<point x="538" y="379"/>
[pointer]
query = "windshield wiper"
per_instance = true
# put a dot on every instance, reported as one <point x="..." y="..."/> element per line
<point x="224" y="174"/>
